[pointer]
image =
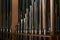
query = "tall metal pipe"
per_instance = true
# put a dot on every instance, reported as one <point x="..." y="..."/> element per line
<point x="30" y="25"/>
<point x="51" y="16"/>
<point x="35" y="17"/>
<point x="40" y="19"/>
<point x="32" y="14"/>
<point x="26" y="15"/>
<point x="44" y="15"/>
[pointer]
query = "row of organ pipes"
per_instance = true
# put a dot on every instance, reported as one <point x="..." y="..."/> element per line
<point x="5" y="18"/>
<point x="34" y="17"/>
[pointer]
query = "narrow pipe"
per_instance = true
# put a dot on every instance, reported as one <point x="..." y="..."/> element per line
<point x="32" y="14"/>
<point x="30" y="19"/>
<point x="40" y="19"/>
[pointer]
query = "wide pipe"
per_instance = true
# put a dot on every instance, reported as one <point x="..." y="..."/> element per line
<point x="51" y="16"/>
<point x="44" y="15"/>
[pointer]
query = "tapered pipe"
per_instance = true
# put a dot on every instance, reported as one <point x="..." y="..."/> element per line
<point x="40" y="19"/>
<point x="21" y="24"/>
<point x="44" y="15"/>
<point x="30" y="19"/>
<point x="35" y="16"/>
<point x="26" y="15"/>
<point x="51" y="16"/>
<point x="24" y="24"/>
<point x="7" y="15"/>
<point x="32" y="14"/>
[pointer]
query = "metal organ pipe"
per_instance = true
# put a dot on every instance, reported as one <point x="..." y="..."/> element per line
<point x="51" y="15"/>
<point x="44" y="15"/>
